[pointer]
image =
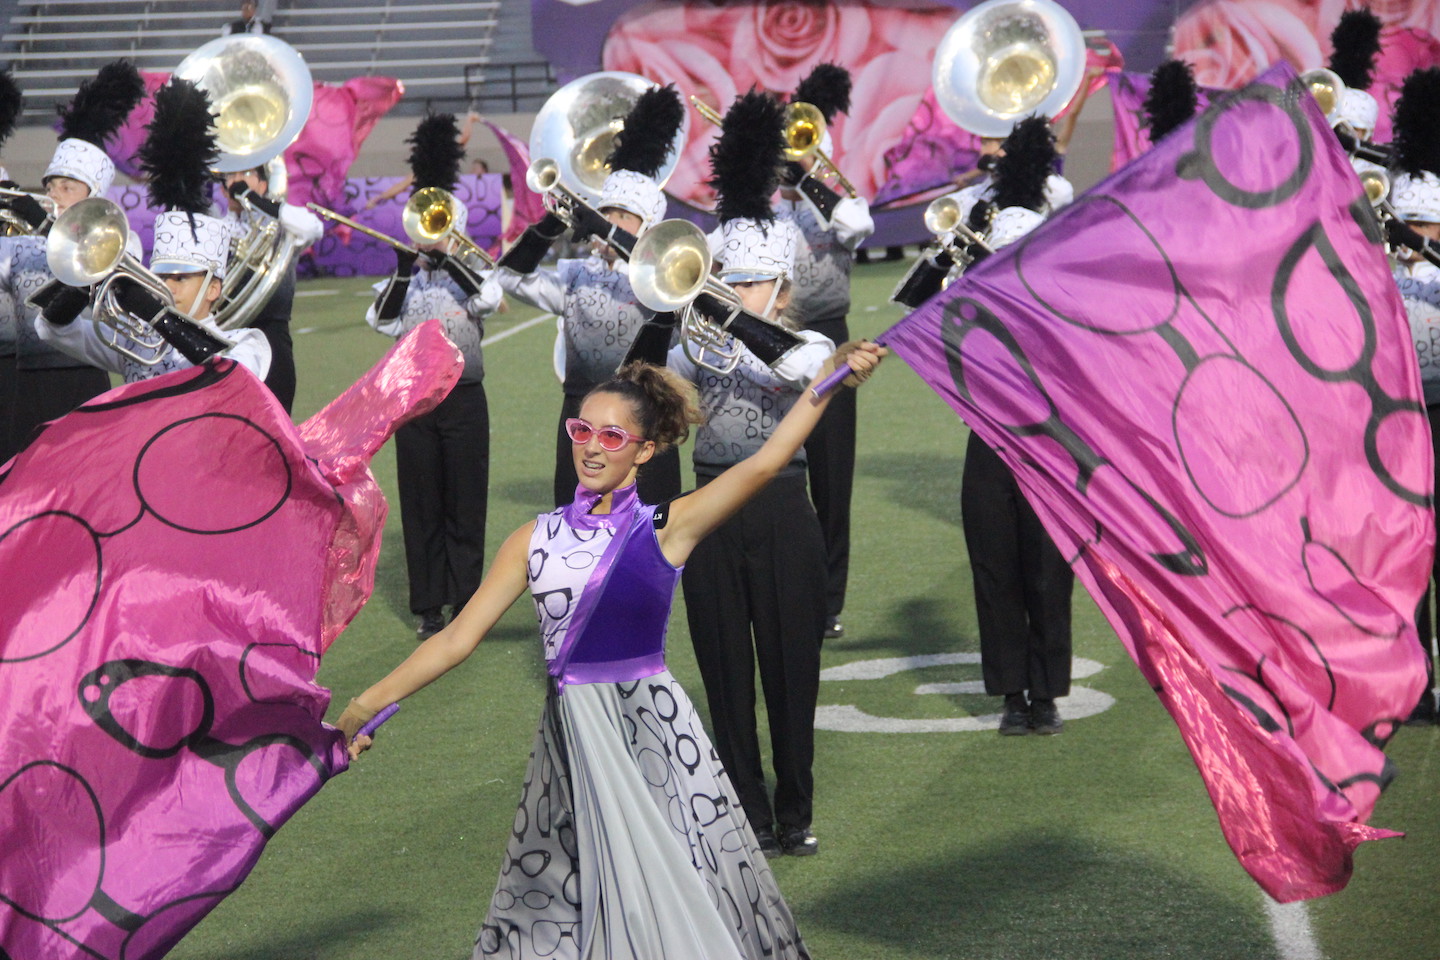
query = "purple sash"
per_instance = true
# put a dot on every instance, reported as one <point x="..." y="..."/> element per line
<point x="636" y="584"/>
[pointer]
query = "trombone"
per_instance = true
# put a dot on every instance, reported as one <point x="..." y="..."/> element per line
<point x="368" y="231"/>
<point x="431" y="215"/>
<point x="804" y="132"/>
<point x="670" y="270"/>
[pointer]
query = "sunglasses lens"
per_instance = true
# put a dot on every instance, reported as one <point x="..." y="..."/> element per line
<point x="611" y="439"/>
<point x="579" y="430"/>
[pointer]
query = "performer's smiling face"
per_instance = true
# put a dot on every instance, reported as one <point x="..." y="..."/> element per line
<point x="601" y="470"/>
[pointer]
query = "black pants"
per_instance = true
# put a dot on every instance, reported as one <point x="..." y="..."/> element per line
<point x="762" y="575"/>
<point x="29" y="398"/>
<point x="1423" y="623"/>
<point x="830" y="451"/>
<point x="443" y="465"/>
<point x="1022" y="583"/>
<point x="657" y="482"/>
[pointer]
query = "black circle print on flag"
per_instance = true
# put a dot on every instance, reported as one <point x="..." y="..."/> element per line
<point x="1219" y="143"/>
<point x="1219" y="464"/>
<point x="1025" y="409"/>
<point x="1307" y="265"/>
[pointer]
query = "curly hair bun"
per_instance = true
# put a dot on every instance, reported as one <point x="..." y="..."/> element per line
<point x="665" y="402"/>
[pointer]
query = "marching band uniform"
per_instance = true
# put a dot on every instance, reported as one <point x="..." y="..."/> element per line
<point x="755" y="588"/>
<point x="820" y="297"/>
<point x="1022" y="583"/>
<point x="1356" y="42"/>
<point x="273" y="318"/>
<point x="40" y="381"/>
<point x="600" y="315"/>
<point x="442" y="459"/>
<point x="177" y="156"/>
<point x="1415" y="197"/>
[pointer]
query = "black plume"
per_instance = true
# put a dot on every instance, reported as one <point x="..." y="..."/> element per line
<point x="649" y="127"/>
<point x="1172" y="99"/>
<point x="10" y="101"/>
<point x="745" y="160"/>
<point x="1028" y="158"/>
<point x="827" y="87"/>
<point x="179" y="149"/>
<point x="1354" y="43"/>
<point x="102" y="104"/>
<point x="1417" y="135"/>
<point x="435" y="152"/>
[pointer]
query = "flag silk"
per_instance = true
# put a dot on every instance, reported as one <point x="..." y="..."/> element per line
<point x="177" y="556"/>
<point x="529" y="206"/>
<point x="1202" y="376"/>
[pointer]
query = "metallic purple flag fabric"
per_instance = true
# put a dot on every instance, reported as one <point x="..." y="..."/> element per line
<point x="1202" y="376"/>
<point x="176" y="557"/>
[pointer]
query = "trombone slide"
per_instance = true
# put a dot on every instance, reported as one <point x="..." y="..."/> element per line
<point x="368" y="231"/>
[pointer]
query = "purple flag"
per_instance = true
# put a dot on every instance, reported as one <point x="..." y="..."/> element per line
<point x="1202" y="376"/>
<point x="177" y="556"/>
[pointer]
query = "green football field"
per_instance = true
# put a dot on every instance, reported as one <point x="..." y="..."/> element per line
<point x="950" y="842"/>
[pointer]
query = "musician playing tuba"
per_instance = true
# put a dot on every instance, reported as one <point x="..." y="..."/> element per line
<point x="248" y="196"/>
<point x="601" y="317"/>
<point x="831" y="228"/>
<point x="187" y="260"/>
<point x="39" y="382"/>
<point x="442" y="459"/>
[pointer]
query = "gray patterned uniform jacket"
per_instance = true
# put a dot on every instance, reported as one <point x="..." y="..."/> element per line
<point x="433" y="295"/>
<point x="742" y="408"/>
<point x="599" y="311"/>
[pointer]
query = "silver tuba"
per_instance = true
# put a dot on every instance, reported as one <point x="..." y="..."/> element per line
<point x="261" y="91"/>
<point x="1006" y="59"/>
<point x="577" y="127"/>
<point x="1328" y="90"/>
<point x="86" y="246"/>
<point x="670" y="271"/>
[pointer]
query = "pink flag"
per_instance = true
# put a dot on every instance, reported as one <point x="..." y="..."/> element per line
<point x="177" y="556"/>
<point x="529" y="205"/>
<point x="1202" y="376"/>
<point x="341" y="117"/>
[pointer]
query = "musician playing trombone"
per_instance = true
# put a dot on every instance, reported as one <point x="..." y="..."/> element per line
<point x="187" y="262"/>
<point x="248" y="200"/>
<point x="442" y="459"/>
<point x="40" y="381"/>
<point x="600" y="315"/>
<point x="831" y="228"/>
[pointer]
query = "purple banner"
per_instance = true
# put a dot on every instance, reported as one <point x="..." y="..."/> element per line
<point x="1202" y="375"/>
<point x="160" y="637"/>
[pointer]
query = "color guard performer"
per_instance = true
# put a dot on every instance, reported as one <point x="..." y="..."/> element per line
<point x="831" y="228"/>
<point x="755" y="588"/>
<point x="188" y="256"/>
<point x="442" y="459"/>
<point x="41" y="382"/>
<point x="601" y="318"/>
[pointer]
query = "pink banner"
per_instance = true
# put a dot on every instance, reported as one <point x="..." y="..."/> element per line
<point x="177" y="556"/>
<point x="529" y="205"/>
<point x="1202" y="375"/>
<point x="1229" y="42"/>
<point x="341" y="117"/>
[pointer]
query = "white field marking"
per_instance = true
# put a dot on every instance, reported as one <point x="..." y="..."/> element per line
<point x="317" y="293"/>
<point x="1290" y="926"/>
<point x="1082" y="701"/>
<point x="533" y="321"/>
